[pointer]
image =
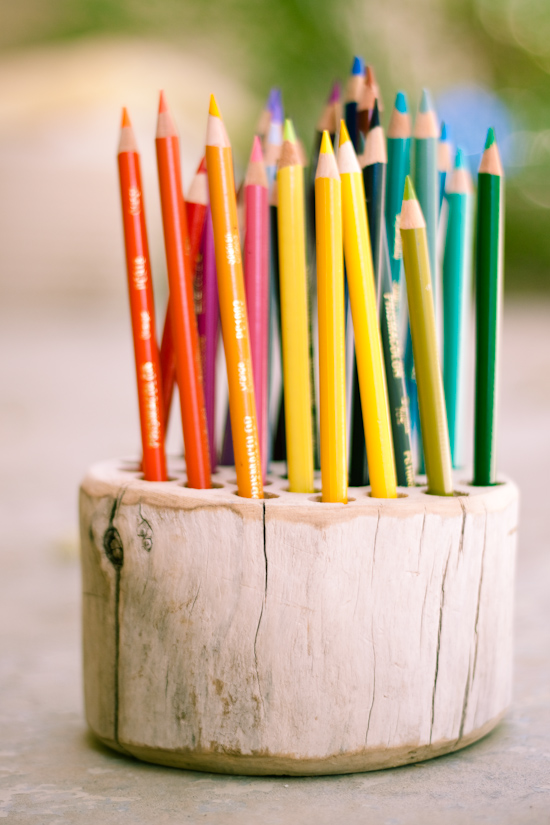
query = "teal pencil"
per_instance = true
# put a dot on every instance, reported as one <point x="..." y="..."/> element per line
<point x="457" y="281"/>
<point x="399" y="151"/>
<point x="444" y="162"/>
<point x="426" y="178"/>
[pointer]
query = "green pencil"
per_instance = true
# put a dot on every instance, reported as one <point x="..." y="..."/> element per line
<point x="457" y="281"/>
<point x="489" y="276"/>
<point x="399" y="151"/>
<point x="431" y="400"/>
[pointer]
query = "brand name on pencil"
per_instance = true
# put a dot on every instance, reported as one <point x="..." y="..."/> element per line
<point x="151" y="398"/>
<point x="145" y="325"/>
<point x="139" y="274"/>
<point x="135" y="200"/>
<point x="232" y="249"/>
<point x="239" y="315"/>
<point x="395" y="355"/>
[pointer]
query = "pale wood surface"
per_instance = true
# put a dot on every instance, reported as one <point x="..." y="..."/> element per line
<point x="291" y="636"/>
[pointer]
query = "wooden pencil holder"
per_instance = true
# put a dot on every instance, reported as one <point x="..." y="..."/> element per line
<point x="288" y="636"/>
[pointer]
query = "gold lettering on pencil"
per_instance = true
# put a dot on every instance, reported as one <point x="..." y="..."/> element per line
<point x="135" y="200"/>
<point x="232" y="248"/>
<point x="152" y="412"/>
<point x="397" y="246"/>
<point x="402" y="416"/>
<point x="395" y="353"/>
<point x="198" y="284"/>
<point x="145" y="327"/>
<point x="239" y="315"/>
<point x="140" y="272"/>
<point x="251" y="445"/>
<point x="409" y="472"/>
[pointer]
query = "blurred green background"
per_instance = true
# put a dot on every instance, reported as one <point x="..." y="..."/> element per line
<point x="301" y="46"/>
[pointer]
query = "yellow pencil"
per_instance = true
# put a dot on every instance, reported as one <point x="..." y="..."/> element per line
<point x="294" y="316"/>
<point x="368" y="346"/>
<point x="330" y="307"/>
<point x="234" y="318"/>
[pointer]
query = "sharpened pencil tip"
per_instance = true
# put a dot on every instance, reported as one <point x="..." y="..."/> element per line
<point x="335" y="93"/>
<point x="460" y="162"/>
<point x="256" y="156"/>
<point x="375" y="117"/>
<point x="202" y="166"/>
<point x="425" y="102"/>
<point x="409" y="194"/>
<point x="344" y="134"/>
<point x="163" y="105"/>
<point x="443" y="134"/>
<point x="125" y="118"/>
<point x="490" y="138"/>
<point x="289" y="133"/>
<point x="358" y="66"/>
<point x="401" y="102"/>
<point x="213" y="110"/>
<point x="326" y="144"/>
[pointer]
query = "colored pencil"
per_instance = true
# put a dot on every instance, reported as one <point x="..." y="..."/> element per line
<point x="354" y="89"/>
<point x="373" y="161"/>
<point x="457" y="282"/>
<point x="370" y="92"/>
<point x="265" y="118"/>
<point x="207" y="309"/>
<point x="195" y="208"/>
<point x="234" y="318"/>
<point x="182" y="309"/>
<point x="142" y="308"/>
<point x="399" y="147"/>
<point x="426" y="180"/>
<point x="431" y="399"/>
<point x="256" y="276"/>
<point x="444" y="162"/>
<point x="274" y="138"/>
<point x="489" y="278"/>
<point x="330" y="308"/>
<point x="395" y="374"/>
<point x="294" y="316"/>
<point x="368" y="347"/>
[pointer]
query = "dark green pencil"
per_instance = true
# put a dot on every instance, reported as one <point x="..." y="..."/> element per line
<point x="489" y="277"/>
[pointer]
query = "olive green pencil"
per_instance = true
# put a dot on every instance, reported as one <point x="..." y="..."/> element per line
<point x="431" y="400"/>
<point x="489" y="276"/>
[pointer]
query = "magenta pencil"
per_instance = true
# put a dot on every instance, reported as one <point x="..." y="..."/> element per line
<point x="208" y="316"/>
<point x="256" y="277"/>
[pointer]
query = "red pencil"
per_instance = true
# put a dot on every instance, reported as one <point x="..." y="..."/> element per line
<point x="142" y="307"/>
<point x="195" y="207"/>
<point x="256" y="276"/>
<point x="184" y="323"/>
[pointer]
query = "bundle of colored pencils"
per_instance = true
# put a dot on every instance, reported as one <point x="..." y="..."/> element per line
<point x="346" y="257"/>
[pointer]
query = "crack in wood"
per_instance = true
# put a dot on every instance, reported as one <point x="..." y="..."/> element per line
<point x="479" y="595"/>
<point x="464" y="704"/>
<point x="441" y="606"/>
<point x="261" y="611"/>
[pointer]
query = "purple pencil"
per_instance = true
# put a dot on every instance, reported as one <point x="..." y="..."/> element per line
<point x="206" y="301"/>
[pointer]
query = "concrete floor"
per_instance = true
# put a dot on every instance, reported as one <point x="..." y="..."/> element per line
<point x="66" y="400"/>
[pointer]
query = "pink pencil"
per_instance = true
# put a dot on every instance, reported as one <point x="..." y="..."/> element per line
<point x="256" y="277"/>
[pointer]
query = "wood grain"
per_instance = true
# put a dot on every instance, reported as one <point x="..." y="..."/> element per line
<point x="290" y="636"/>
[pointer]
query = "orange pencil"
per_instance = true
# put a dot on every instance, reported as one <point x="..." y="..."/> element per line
<point x="142" y="307"/>
<point x="184" y="323"/>
<point x="195" y="207"/>
<point x="234" y="318"/>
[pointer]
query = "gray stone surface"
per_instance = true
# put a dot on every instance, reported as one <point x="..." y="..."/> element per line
<point x="66" y="400"/>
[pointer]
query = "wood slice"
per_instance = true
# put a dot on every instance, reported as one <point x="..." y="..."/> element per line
<point x="288" y="636"/>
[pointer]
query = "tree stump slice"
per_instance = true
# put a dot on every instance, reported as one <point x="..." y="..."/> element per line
<point x="287" y="636"/>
